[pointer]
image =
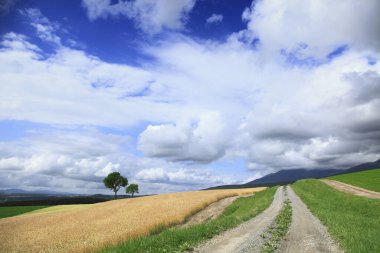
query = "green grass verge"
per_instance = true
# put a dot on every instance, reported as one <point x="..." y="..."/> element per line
<point x="8" y="211"/>
<point x="279" y="229"/>
<point x="369" y="179"/>
<point x="181" y="239"/>
<point x="354" y="222"/>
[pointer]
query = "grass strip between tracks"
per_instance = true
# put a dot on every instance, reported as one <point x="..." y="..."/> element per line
<point x="352" y="221"/>
<point x="183" y="239"/>
<point x="278" y="230"/>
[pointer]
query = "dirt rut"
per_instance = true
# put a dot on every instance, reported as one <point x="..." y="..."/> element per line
<point x="245" y="237"/>
<point x="340" y="186"/>
<point x="306" y="233"/>
<point x="211" y="212"/>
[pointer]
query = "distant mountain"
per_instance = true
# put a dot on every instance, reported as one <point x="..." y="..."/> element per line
<point x="364" y="166"/>
<point x="290" y="176"/>
<point x="39" y="192"/>
<point x="13" y="191"/>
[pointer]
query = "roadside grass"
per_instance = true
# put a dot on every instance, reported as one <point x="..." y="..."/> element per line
<point x="279" y="229"/>
<point x="184" y="239"/>
<point x="9" y="211"/>
<point x="369" y="179"/>
<point x="354" y="222"/>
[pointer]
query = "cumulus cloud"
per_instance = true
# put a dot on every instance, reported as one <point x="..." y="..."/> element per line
<point x="365" y="87"/>
<point x="152" y="16"/>
<point x="77" y="160"/>
<point x="83" y="85"/>
<point x="321" y="26"/>
<point x="214" y="18"/>
<point x="182" y="176"/>
<point x="250" y="104"/>
<point x="74" y="144"/>
<point x="70" y="157"/>
<point x="203" y="141"/>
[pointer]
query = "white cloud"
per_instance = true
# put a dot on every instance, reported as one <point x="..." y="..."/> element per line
<point x="322" y="25"/>
<point x="72" y="157"/>
<point x="215" y="18"/>
<point x="152" y="16"/>
<point x="74" y="85"/>
<point x="45" y="28"/>
<point x="245" y="95"/>
<point x="77" y="160"/>
<point x="202" y="141"/>
<point x="204" y="101"/>
<point x="182" y="176"/>
<point x="157" y="175"/>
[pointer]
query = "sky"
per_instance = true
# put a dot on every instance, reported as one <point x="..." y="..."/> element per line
<point x="184" y="95"/>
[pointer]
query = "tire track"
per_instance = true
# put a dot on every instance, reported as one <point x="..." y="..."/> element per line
<point x="351" y="189"/>
<point x="245" y="237"/>
<point x="306" y="233"/>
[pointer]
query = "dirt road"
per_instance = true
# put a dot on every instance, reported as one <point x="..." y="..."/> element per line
<point x="306" y="233"/>
<point x="212" y="211"/>
<point x="245" y="237"/>
<point x="340" y="186"/>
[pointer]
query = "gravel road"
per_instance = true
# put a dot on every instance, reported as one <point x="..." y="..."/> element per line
<point x="245" y="237"/>
<point x="306" y="233"/>
<point x="340" y="186"/>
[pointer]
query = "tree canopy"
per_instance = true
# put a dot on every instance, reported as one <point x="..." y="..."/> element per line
<point x="114" y="181"/>
<point x="132" y="188"/>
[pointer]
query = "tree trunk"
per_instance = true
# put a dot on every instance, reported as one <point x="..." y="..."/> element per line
<point x="115" y="195"/>
<point x="132" y="194"/>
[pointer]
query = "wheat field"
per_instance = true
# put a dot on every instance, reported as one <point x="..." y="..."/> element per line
<point x="97" y="225"/>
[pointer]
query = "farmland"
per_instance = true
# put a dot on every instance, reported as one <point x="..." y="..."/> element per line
<point x="352" y="221"/>
<point x="9" y="211"/>
<point x="59" y="208"/>
<point x="182" y="239"/>
<point x="101" y="224"/>
<point x="368" y="179"/>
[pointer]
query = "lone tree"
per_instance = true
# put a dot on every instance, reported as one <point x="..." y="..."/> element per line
<point x="132" y="188"/>
<point x="114" y="181"/>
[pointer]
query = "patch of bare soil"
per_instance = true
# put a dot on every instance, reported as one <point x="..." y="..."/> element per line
<point x="211" y="212"/>
<point x="340" y="186"/>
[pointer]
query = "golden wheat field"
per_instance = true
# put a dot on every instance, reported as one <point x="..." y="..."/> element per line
<point x="97" y="225"/>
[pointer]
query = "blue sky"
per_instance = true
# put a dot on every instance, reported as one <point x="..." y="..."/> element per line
<point x="184" y="95"/>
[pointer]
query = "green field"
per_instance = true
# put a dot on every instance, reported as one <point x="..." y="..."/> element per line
<point x="8" y="211"/>
<point x="354" y="222"/>
<point x="369" y="179"/>
<point x="182" y="239"/>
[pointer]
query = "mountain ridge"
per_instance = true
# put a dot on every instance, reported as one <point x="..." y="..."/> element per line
<point x="290" y="176"/>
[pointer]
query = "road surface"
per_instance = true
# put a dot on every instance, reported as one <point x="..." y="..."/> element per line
<point x="306" y="233"/>
<point x="245" y="237"/>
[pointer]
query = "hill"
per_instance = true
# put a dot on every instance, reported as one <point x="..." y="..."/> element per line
<point x="369" y="179"/>
<point x="290" y="176"/>
<point x="40" y="192"/>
